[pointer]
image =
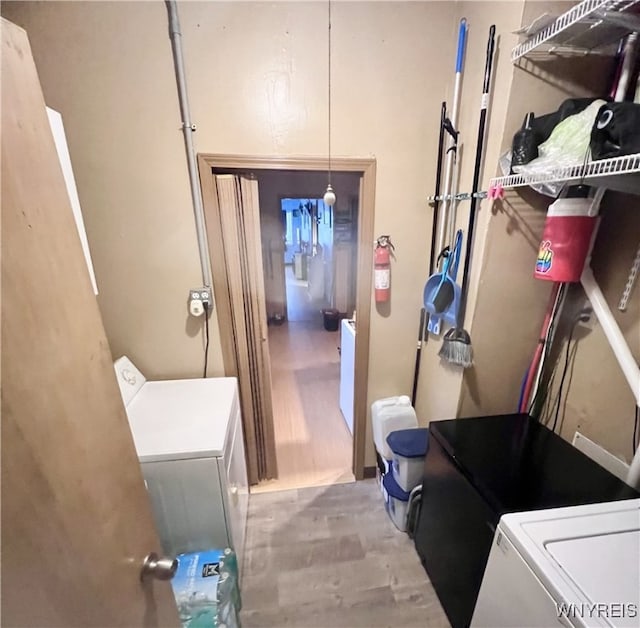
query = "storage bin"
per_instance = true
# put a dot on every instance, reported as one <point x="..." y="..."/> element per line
<point x="331" y="319"/>
<point x="383" y="467"/>
<point x="396" y="502"/>
<point x="409" y="448"/>
<point x="387" y="415"/>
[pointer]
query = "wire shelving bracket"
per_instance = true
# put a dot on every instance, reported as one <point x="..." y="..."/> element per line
<point x="461" y="196"/>
<point x="583" y="28"/>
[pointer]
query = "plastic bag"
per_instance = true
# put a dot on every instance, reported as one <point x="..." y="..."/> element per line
<point x="548" y="189"/>
<point x="568" y="144"/>
<point x="206" y="589"/>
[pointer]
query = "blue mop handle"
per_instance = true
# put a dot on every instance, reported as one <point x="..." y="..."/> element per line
<point x="462" y="38"/>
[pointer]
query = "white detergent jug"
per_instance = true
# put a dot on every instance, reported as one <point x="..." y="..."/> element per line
<point x="390" y="414"/>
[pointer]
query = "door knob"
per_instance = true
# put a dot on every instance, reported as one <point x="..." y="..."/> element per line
<point x="158" y="568"/>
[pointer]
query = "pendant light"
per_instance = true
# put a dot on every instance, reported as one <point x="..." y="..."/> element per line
<point x="329" y="196"/>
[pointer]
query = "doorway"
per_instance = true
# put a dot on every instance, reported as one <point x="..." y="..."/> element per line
<point x="309" y="256"/>
<point x="306" y="353"/>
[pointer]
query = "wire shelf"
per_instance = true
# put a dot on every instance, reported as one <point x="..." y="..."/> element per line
<point x="611" y="173"/>
<point x="588" y="25"/>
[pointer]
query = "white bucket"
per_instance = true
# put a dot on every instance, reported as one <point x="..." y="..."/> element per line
<point x="388" y="415"/>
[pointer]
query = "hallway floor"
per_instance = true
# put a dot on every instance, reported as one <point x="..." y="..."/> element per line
<point x="330" y="556"/>
<point x="313" y="443"/>
<point x="299" y="308"/>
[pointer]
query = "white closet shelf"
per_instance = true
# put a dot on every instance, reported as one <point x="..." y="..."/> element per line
<point x="589" y="26"/>
<point x="618" y="173"/>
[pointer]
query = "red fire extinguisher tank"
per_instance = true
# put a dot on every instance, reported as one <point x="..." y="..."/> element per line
<point x="382" y="269"/>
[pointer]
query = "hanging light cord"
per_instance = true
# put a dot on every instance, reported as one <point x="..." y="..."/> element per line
<point x="329" y="84"/>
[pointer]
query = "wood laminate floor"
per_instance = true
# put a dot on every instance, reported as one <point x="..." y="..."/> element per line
<point x="299" y="307"/>
<point x="330" y="557"/>
<point x="313" y="443"/>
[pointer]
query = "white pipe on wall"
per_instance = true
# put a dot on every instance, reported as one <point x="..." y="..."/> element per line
<point x="188" y="129"/>
<point x="620" y="349"/>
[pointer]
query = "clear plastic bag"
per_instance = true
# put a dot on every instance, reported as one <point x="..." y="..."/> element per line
<point x="548" y="189"/>
<point x="568" y="144"/>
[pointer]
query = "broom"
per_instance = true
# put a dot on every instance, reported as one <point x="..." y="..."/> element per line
<point x="456" y="345"/>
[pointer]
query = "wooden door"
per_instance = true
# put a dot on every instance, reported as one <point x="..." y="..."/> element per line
<point x="240" y="229"/>
<point x="76" y="520"/>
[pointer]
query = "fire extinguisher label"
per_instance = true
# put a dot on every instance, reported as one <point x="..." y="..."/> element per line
<point x="382" y="277"/>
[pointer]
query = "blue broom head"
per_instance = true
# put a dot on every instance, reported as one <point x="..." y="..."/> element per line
<point x="456" y="348"/>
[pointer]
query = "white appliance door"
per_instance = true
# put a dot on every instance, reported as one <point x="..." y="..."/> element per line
<point x="187" y="504"/>
<point x="347" y="371"/>
<point x="511" y="595"/>
<point x="236" y="488"/>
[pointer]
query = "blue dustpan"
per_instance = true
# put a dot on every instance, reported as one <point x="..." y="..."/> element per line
<point x="450" y="315"/>
<point x="434" y="285"/>
<point x="431" y="289"/>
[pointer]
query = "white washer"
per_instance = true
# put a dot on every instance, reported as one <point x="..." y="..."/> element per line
<point x="188" y="436"/>
<point x="577" y="566"/>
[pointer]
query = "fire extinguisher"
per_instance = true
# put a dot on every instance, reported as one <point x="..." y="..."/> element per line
<point x="382" y="264"/>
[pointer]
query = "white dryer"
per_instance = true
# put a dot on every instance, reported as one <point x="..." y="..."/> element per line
<point x="577" y="566"/>
<point x="188" y="436"/>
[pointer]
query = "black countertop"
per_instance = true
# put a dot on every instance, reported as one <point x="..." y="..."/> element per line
<point x="518" y="464"/>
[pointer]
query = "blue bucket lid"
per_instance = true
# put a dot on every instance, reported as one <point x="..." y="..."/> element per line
<point x="393" y="489"/>
<point x="411" y="443"/>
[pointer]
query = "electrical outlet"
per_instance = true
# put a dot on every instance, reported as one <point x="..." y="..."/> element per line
<point x="200" y="294"/>
<point x="199" y="298"/>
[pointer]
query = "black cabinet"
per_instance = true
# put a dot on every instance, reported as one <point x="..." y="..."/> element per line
<point x="478" y="469"/>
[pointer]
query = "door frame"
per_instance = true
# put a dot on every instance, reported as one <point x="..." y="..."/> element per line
<point x="366" y="166"/>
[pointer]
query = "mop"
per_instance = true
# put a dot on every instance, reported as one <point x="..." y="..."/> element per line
<point x="456" y="344"/>
<point x="423" y="313"/>
<point x="437" y="230"/>
<point x="448" y="206"/>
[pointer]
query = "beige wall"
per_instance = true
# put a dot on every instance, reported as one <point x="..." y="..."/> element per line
<point x="107" y="68"/>
<point x="511" y="303"/>
<point x="256" y="76"/>
<point x="599" y="403"/>
<point x="440" y="384"/>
